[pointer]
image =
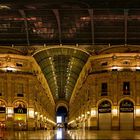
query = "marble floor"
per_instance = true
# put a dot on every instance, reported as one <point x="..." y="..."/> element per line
<point x="69" y="134"/>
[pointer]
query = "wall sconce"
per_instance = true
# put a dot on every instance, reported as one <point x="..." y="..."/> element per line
<point x="93" y="112"/>
<point x="115" y="67"/>
<point x="88" y="112"/>
<point x="137" y="67"/>
<point x="36" y="113"/>
<point x="31" y="112"/>
<point x="137" y="110"/>
<point x="8" y="68"/>
<point x="10" y="111"/>
<point x="114" y="111"/>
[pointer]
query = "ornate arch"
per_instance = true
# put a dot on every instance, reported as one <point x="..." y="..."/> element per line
<point x="20" y="100"/>
<point x="4" y="102"/>
<point x="126" y="98"/>
<point x="62" y="103"/>
<point x="103" y="99"/>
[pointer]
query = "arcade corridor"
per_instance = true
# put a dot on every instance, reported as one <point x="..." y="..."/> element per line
<point x="69" y="69"/>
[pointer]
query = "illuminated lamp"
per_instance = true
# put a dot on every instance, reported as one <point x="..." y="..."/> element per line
<point x="88" y="112"/>
<point x="115" y="67"/>
<point x="137" y="67"/>
<point x="10" y="111"/>
<point x="114" y="110"/>
<point x="10" y="69"/>
<point x="93" y="112"/>
<point x="36" y="113"/>
<point x="77" y="45"/>
<point x="138" y="111"/>
<point x="31" y="112"/>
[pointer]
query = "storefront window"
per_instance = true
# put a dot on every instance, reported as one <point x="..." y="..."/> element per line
<point x="20" y="115"/>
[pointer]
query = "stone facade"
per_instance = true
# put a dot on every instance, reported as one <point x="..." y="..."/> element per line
<point x="21" y="85"/>
<point x="116" y="70"/>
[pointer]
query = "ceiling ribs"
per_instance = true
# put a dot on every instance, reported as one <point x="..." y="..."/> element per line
<point x="92" y="24"/>
<point x="22" y="12"/>
<point x="56" y="12"/>
<point x="125" y="24"/>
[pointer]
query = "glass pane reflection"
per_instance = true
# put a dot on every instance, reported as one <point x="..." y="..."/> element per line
<point x="59" y="134"/>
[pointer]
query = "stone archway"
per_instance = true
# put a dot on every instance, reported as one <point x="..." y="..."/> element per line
<point x="62" y="103"/>
<point x="126" y="115"/>
<point x="62" y="112"/>
<point x="104" y="115"/>
<point x="20" y="115"/>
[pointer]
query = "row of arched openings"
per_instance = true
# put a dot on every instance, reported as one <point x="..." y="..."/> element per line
<point x="18" y="114"/>
<point x="125" y="114"/>
<point x="125" y="106"/>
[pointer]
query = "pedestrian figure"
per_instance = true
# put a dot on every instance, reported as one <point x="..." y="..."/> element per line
<point x="65" y="125"/>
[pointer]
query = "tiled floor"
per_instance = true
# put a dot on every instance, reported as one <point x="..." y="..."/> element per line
<point x="69" y="134"/>
<point x="126" y="135"/>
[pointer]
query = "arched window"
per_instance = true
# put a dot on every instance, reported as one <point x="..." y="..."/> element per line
<point x="104" y="107"/>
<point x="20" y="107"/>
<point x="126" y="106"/>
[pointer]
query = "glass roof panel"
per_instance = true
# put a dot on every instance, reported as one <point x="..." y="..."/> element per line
<point x="61" y="67"/>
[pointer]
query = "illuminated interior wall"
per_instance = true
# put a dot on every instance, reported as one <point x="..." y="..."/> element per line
<point x="113" y="69"/>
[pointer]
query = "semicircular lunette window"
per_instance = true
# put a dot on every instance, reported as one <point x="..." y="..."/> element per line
<point x="61" y="68"/>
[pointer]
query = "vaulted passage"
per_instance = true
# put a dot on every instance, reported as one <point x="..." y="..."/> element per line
<point x="61" y="67"/>
<point x="72" y="64"/>
<point x="62" y="115"/>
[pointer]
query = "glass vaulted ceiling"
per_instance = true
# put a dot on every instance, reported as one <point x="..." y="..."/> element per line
<point x="61" y="67"/>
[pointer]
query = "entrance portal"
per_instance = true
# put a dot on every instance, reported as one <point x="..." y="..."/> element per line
<point x="61" y="114"/>
<point x="126" y="115"/>
<point x="104" y="111"/>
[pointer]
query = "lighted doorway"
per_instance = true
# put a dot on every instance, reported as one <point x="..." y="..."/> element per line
<point x="126" y="115"/>
<point x="61" y="116"/>
<point x="104" y="111"/>
<point x="20" y="116"/>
